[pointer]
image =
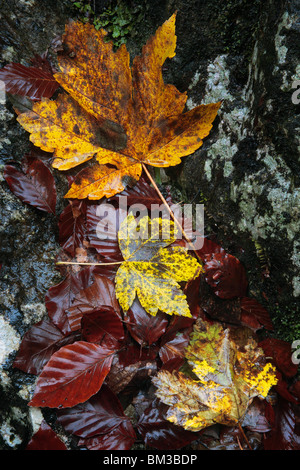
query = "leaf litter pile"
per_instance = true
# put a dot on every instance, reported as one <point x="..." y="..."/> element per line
<point x="146" y="344"/>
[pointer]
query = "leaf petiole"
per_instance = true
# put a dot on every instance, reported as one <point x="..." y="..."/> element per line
<point x="171" y="212"/>
<point x="90" y="264"/>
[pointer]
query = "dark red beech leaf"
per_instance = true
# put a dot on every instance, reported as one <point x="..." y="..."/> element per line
<point x="279" y="352"/>
<point x="45" y="439"/>
<point x="32" y="82"/>
<point x="295" y="389"/>
<point x="134" y="353"/>
<point x="100" y="293"/>
<point x="59" y="297"/>
<point x="142" y="193"/>
<point x="98" y="415"/>
<point x="172" y="353"/>
<point x="254" y="315"/>
<point x="226" y="275"/>
<point x="42" y="62"/>
<point x="103" y="325"/>
<point x="161" y="434"/>
<point x="143" y="327"/>
<point x="121" y="437"/>
<point x="34" y="186"/>
<point x="72" y="375"/>
<point x="72" y="226"/>
<point x="283" y="388"/>
<point x="209" y="247"/>
<point x="103" y="221"/>
<point x="192" y="292"/>
<point x="38" y="345"/>
<point x="283" y="435"/>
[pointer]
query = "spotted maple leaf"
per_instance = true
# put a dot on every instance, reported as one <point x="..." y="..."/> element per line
<point x="151" y="268"/>
<point x="122" y="117"/>
<point x="227" y="370"/>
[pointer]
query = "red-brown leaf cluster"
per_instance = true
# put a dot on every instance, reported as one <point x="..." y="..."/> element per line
<point x="92" y="361"/>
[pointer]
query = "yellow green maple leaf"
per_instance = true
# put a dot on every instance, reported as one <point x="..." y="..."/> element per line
<point x="228" y="370"/>
<point x="121" y="116"/>
<point x="152" y="270"/>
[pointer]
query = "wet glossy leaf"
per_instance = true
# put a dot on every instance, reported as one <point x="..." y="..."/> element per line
<point x="226" y="275"/>
<point x="131" y="370"/>
<point x="172" y="353"/>
<point x="31" y="82"/>
<point x="124" y="116"/>
<point x="72" y="375"/>
<point x="255" y="418"/>
<point x="228" y="370"/>
<point x="209" y="247"/>
<point x="45" y="439"/>
<point x="103" y="325"/>
<point x="151" y="269"/>
<point x="72" y="227"/>
<point x="284" y="435"/>
<point x="34" y="185"/>
<point x="38" y="345"/>
<point x="100" y="293"/>
<point x="143" y="327"/>
<point x="59" y="298"/>
<point x="254" y="315"/>
<point x="159" y="433"/>
<point x="98" y="415"/>
<point x="103" y="222"/>
<point x="140" y="193"/>
<point x="121" y="437"/>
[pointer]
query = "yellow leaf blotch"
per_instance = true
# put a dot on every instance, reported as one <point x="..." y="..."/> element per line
<point x="231" y="370"/>
<point x="151" y="269"/>
<point x="64" y="128"/>
<point x="98" y="78"/>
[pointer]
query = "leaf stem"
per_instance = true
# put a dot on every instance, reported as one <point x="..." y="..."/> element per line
<point x="90" y="264"/>
<point x="244" y="436"/>
<point x="171" y="212"/>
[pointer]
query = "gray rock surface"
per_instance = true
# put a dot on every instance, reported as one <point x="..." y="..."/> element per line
<point x="246" y="173"/>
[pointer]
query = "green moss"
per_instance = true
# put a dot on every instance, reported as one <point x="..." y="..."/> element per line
<point x="286" y="321"/>
<point x="118" y="19"/>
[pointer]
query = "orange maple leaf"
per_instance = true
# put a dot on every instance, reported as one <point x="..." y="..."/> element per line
<point x="126" y="117"/>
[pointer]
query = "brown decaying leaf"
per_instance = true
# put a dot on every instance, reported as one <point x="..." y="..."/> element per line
<point x="227" y="370"/>
<point x="125" y="116"/>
